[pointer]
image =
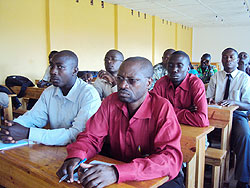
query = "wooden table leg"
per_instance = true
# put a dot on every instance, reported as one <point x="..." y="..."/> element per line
<point x="190" y="173"/>
<point x="200" y="162"/>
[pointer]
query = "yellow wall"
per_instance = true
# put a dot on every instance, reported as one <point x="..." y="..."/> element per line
<point x="23" y="48"/>
<point x="85" y="29"/>
<point x="184" y="39"/>
<point x="30" y="30"/>
<point x="134" y="33"/>
<point x="164" y="37"/>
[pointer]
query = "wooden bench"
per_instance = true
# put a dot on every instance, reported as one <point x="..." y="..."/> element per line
<point x="222" y="118"/>
<point x="215" y="158"/>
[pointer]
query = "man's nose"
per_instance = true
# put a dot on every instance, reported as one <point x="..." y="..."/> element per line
<point x="123" y="84"/>
<point x="175" y="69"/>
<point x="53" y="71"/>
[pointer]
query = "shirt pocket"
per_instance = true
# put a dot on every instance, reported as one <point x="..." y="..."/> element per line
<point x="236" y="95"/>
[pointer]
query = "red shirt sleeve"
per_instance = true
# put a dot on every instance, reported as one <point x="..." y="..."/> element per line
<point x="200" y="117"/>
<point x="90" y="141"/>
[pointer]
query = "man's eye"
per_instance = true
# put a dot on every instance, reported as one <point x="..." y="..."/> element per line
<point x="60" y="67"/>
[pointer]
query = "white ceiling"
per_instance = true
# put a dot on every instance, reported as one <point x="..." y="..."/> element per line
<point x="198" y="13"/>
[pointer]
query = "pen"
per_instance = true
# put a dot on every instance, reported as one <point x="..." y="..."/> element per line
<point x="66" y="175"/>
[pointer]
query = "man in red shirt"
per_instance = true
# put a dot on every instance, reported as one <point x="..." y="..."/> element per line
<point x="142" y="130"/>
<point x="185" y="91"/>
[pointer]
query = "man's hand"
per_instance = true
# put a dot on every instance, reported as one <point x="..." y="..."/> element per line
<point x="193" y="108"/>
<point x="13" y="132"/>
<point x="226" y="103"/>
<point x="210" y="101"/>
<point x="68" y="168"/>
<point x="42" y="84"/>
<point x="98" y="176"/>
<point x="107" y="76"/>
<point x="87" y="77"/>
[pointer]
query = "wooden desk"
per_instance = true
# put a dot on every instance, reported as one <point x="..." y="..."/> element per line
<point x="31" y="92"/>
<point x="199" y="133"/>
<point x="36" y="166"/>
<point x="222" y="118"/>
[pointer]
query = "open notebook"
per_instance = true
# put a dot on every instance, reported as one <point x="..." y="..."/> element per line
<point x="19" y="143"/>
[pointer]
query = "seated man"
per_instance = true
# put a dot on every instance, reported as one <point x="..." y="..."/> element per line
<point x="4" y="100"/>
<point x="243" y="61"/>
<point x="46" y="78"/>
<point x="231" y="87"/>
<point x="142" y="129"/>
<point x="105" y="83"/>
<point x="185" y="91"/>
<point x="205" y="70"/>
<point x="66" y="106"/>
<point x="160" y="69"/>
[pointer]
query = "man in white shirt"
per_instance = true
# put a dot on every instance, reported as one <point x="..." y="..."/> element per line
<point x="231" y="87"/>
<point x="66" y="106"/>
<point x="105" y="83"/>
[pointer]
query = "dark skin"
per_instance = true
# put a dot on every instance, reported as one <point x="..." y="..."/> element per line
<point x="243" y="61"/>
<point x="133" y="90"/>
<point x="63" y="75"/>
<point x="87" y="77"/>
<point x="205" y="62"/>
<point x="166" y="56"/>
<point x="230" y="63"/>
<point x="178" y="67"/>
<point x="112" y="62"/>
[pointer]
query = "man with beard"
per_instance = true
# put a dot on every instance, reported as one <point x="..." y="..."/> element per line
<point x="160" y="69"/>
<point x="206" y="70"/>
<point x="244" y="62"/>
<point x="142" y="129"/>
<point x="105" y="83"/>
<point x="185" y="91"/>
<point x="231" y="87"/>
<point x="66" y="106"/>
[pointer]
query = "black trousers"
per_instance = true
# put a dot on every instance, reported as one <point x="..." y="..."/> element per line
<point x="177" y="182"/>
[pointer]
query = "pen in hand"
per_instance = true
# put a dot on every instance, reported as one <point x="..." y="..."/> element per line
<point x="66" y="175"/>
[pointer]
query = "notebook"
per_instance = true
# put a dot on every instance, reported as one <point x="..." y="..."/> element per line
<point x="10" y="146"/>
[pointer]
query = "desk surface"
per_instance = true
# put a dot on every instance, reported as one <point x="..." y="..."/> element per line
<point x="36" y="166"/>
<point x="197" y="132"/>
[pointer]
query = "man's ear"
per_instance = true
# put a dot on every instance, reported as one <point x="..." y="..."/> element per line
<point x="75" y="71"/>
<point x="149" y="82"/>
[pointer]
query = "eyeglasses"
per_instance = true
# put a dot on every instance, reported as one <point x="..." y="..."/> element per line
<point x="130" y="81"/>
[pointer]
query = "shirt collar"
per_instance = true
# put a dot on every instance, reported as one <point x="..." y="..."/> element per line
<point x="71" y="95"/>
<point x="144" y="111"/>
<point x="184" y="84"/>
<point x="233" y="74"/>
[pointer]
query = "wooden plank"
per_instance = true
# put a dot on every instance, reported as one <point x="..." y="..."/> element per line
<point x="36" y="166"/>
<point x="31" y="92"/>
<point x="199" y="133"/>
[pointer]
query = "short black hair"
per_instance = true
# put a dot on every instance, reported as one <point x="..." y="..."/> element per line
<point x="117" y="52"/>
<point x="227" y="49"/>
<point x="180" y="53"/>
<point x="206" y="55"/>
<point x="68" y="54"/>
<point x="145" y="65"/>
<point x="52" y="53"/>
